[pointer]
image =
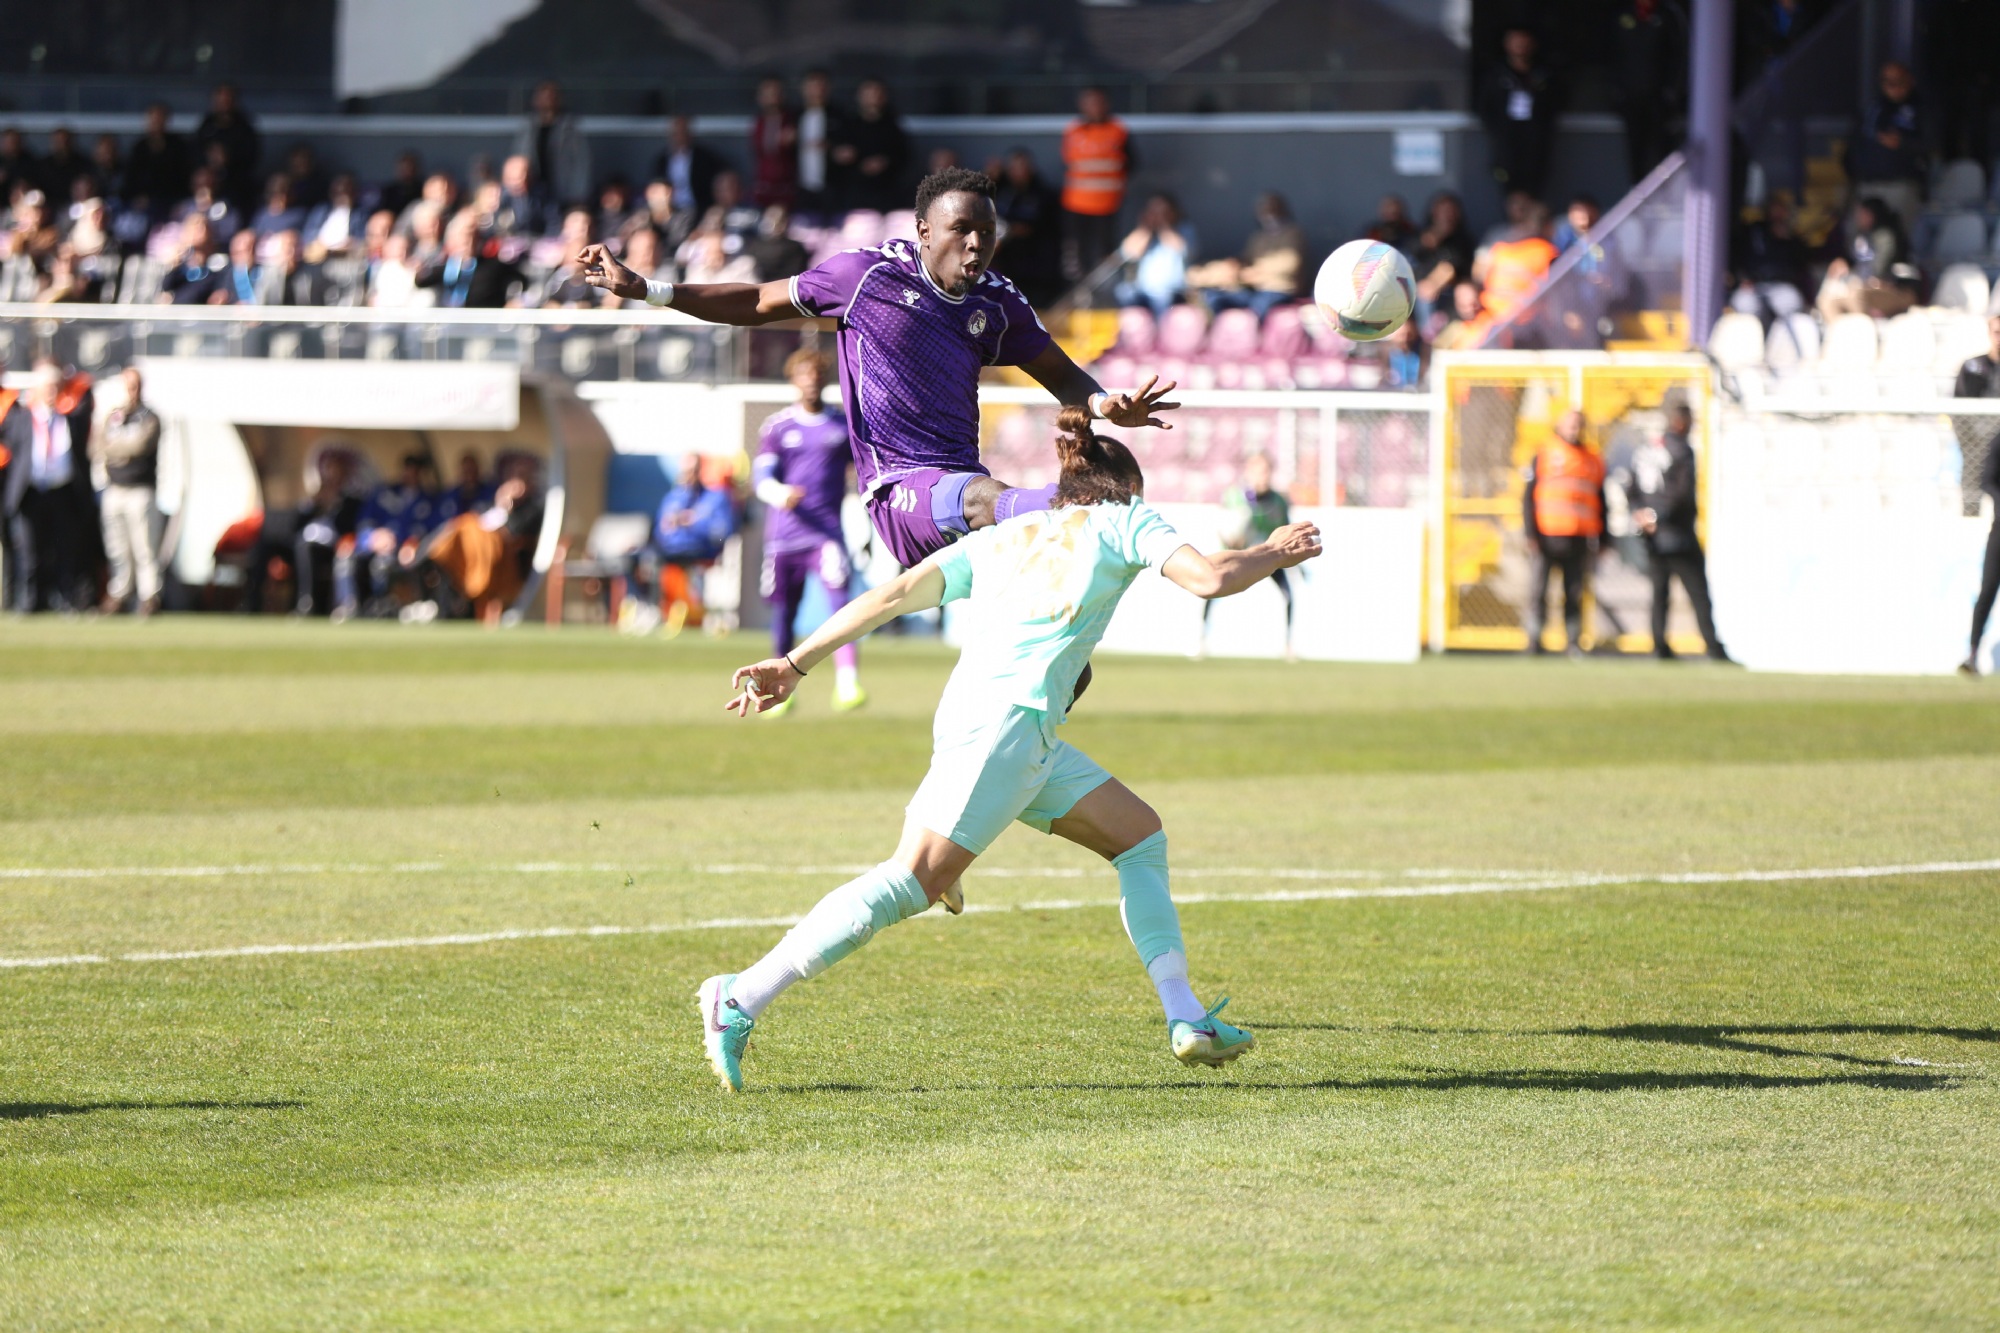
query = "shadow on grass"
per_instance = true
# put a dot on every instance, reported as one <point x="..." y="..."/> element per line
<point x="42" y="1110"/>
<point x="1505" y="1080"/>
<point x="1715" y="1037"/>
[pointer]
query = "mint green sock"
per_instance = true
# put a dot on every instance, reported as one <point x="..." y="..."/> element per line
<point x="850" y="916"/>
<point x="1143" y="900"/>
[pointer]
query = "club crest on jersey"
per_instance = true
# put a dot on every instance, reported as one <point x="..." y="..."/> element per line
<point x="911" y="296"/>
<point x="976" y="325"/>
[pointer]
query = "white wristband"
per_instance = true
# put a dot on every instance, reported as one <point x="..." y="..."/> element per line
<point x="659" y="293"/>
<point x="1090" y="405"/>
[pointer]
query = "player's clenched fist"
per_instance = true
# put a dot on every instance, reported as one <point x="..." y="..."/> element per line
<point x="602" y="269"/>
<point x="764" y="685"/>
<point x="1296" y="542"/>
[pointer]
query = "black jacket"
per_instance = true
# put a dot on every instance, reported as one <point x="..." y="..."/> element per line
<point x="1869" y="159"/>
<point x="240" y="142"/>
<point x="1980" y="378"/>
<point x="17" y="432"/>
<point x="704" y="165"/>
<point x="1663" y="480"/>
<point x="186" y="284"/>
<point x="157" y="174"/>
<point x="487" y="287"/>
<point x="882" y="137"/>
<point x="1032" y="253"/>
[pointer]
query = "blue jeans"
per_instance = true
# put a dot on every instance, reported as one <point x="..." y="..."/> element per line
<point x="1129" y="293"/>
<point x="1244" y="298"/>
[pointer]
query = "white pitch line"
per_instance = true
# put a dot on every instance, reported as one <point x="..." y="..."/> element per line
<point x="1490" y="885"/>
<point x="607" y="867"/>
<point x="307" y="868"/>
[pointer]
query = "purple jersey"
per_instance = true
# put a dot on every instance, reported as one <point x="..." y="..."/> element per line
<point x="910" y="356"/>
<point x="810" y="452"/>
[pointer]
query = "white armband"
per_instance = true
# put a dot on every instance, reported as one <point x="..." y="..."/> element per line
<point x="1090" y="405"/>
<point x="658" y="292"/>
<point x="773" y="492"/>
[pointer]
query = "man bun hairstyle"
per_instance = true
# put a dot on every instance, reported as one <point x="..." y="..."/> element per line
<point x="1095" y="469"/>
<point x="952" y="180"/>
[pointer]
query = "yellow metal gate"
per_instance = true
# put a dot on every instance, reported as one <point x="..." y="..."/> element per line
<point x="1495" y="412"/>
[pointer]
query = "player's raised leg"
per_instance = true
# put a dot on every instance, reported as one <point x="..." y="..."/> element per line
<point x="838" y="924"/>
<point x="1113" y="822"/>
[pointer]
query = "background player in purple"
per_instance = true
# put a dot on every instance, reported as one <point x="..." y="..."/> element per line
<point x="801" y="474"/>
<point x="916" y="324"/>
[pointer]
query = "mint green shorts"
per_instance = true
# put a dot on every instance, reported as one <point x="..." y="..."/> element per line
<point x="995" y="770"/>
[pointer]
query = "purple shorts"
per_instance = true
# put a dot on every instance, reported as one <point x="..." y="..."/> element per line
<point x="920" y="514"/>
<point x="786" y="572"/>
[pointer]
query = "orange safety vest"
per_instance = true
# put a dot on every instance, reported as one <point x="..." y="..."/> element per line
<point x="1569" y="481"/>
<point x="1513" y="270"/>
<point x="1094" y="159"/>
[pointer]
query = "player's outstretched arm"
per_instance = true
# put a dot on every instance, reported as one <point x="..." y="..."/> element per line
<point x="1071" y="383"/>
<point x="1229" y="572"/>
<point x="739" y="303"/>
<point x="772" y="681"/>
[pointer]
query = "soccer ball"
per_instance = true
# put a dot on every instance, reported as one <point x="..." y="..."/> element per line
<point x="1366" y="290"/>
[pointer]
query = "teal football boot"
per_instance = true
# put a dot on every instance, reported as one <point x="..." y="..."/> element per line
<point x="725" y="1031"/>
<point x="1210" y="1042"/>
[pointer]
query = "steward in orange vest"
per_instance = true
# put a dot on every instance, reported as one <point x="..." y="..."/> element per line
<point x="1562" y="513"/>
<point x="1567" y="481"/>
<point x="1097" y="165"/>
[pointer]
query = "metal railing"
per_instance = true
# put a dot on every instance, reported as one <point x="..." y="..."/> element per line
<point x="577" y="344"/>
<point x="1430" y="89"/>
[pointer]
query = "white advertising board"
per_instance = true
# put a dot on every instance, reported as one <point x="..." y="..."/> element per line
<point x="346" y="395"/>
<point x="1845" y="593"/>
<point x="1362" y="601"/>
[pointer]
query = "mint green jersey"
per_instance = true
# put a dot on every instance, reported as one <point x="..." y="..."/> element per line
<point x="1041" y="589"/>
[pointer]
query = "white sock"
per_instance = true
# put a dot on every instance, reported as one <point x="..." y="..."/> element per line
<point x="1170" y="978"/>
<point x="846" y="679"/>
<point x="762" y="982"/>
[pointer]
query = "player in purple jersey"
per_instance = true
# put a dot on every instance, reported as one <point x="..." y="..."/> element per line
<point x="915" y="324"/>
<point x="800" y="473"/>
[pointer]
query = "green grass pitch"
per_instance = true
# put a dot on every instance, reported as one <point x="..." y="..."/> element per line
<point x="1659" y="1100"/>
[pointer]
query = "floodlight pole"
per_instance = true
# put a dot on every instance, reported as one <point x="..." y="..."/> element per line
<point x="1708" y="144"/>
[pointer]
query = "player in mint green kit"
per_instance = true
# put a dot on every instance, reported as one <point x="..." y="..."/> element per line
<point x="1039" y="590"/>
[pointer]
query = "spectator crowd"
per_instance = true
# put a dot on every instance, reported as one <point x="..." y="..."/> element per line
<point x="204" y="219"/>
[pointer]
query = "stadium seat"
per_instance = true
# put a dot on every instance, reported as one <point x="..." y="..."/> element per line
<point x="1737" y="342"/>
<point x="1908" y="343"/>
<point x="1183" y="331"/>
<point x="1958" y="338"/>
<point x="1234" y="336"/>
<point x="139" y="280"/>
<point x="1852" y="345"/>
<point x="1284" y="333"/>
<point x="1138" y="334"/>
<point x="1960" y="237"/>
<point x="1962" y="287"/>
<point x="1792" y="345"/>
<point x="1278" y="372"/>
<point x="1118" y="369"/>
<point x="1960" y="184"/>
<point x="1325" y="339"/>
